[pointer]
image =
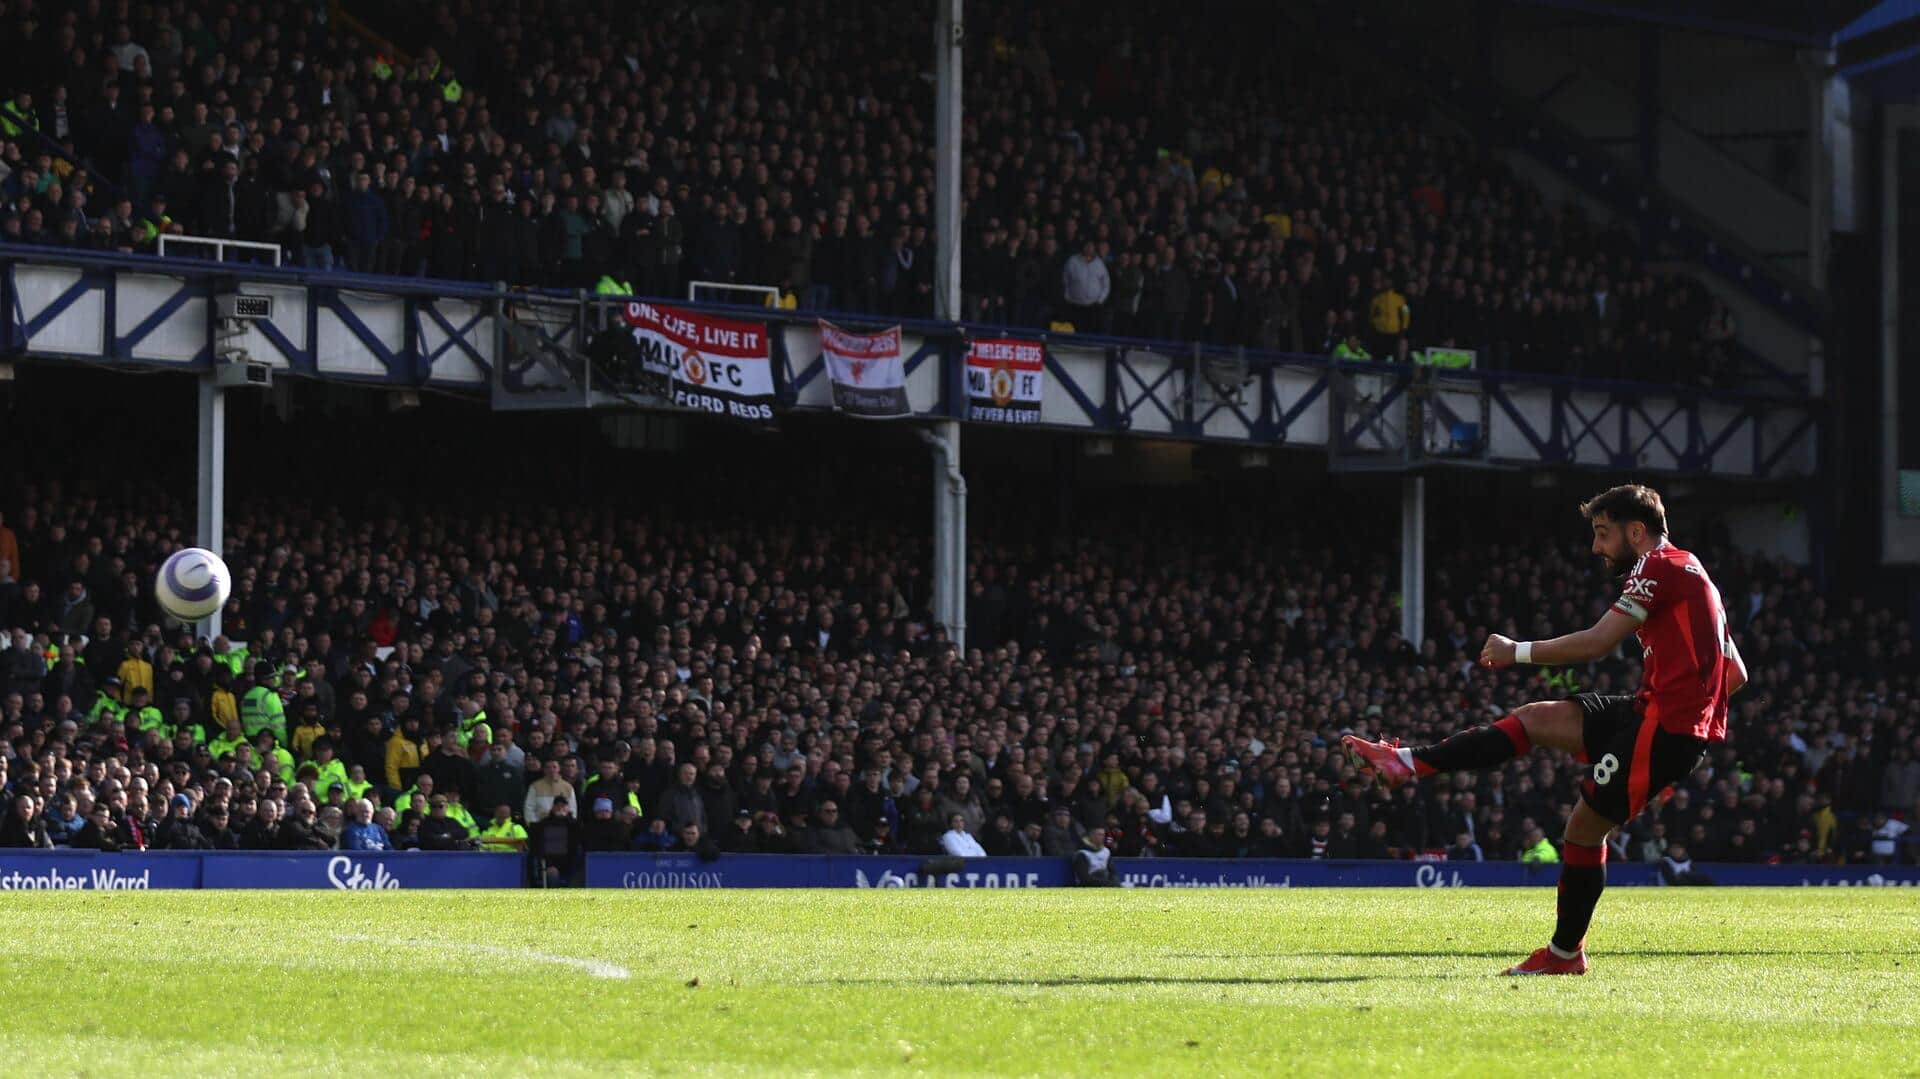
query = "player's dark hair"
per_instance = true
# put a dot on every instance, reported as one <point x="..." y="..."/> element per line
<point x="1629" y="502"/>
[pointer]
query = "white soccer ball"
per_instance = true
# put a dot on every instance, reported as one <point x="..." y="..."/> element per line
<point x="193" y="584"/>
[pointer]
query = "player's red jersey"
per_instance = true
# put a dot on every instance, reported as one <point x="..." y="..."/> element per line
<point x="1683" y="629"/>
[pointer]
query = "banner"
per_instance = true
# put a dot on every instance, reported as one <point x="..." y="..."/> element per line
<point x="1006" y="379"/>
<point x="92" y="871"/>
<point x="818" y="871"/>
<point x="358" y="871"/>
<point x="869" y="377"/>
<point x="712" y="364"/>
<point x="871" y="871"/>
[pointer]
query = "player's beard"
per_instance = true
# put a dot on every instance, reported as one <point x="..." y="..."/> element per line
<point x="1620" y="560"/>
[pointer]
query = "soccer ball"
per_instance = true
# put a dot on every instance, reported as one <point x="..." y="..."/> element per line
<point x="193" y="584"/>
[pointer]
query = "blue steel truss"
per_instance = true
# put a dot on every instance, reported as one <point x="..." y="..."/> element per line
<point x="528" y="350"/>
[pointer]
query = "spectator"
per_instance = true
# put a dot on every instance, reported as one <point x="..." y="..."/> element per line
<point x="362" y="832"/>
<point x="1062" y="835"/>
<point x="1086" y="285"/>
<point x="63" y="821"/>
<point x="503" y="833"/>
<point x="958" y="842"/>
<point x="441" y="832"/>
<point x="603" y="831"/>
<point x="100" y="832"/>
<point x="24" y="827"/>
<point x="545" y="792"/>
<point x="682" y="804"/>
<point x="555" y="842"/>
<point x="830" y="834"/>
<point x="178" y="831"/>
<point x="739" y="837"/>
<point x="1537" y="849"/>
<point x="367" y="222"/>
<point x="1093" y="862"/>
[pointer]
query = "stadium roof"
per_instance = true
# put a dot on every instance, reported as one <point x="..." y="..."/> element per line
<point x="1810" y="23"/>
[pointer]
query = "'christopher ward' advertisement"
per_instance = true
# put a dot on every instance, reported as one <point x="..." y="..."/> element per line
<point x="718" y="365"/>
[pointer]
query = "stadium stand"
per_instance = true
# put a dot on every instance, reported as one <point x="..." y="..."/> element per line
<point x="515" y="627"/>
<point x="1179" y="183"/>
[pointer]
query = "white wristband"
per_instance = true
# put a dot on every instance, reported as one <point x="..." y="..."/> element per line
<point x="1523" y="652"/>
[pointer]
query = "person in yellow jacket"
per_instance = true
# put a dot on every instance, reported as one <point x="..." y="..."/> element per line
<point x="503" y="833"/>
<point x="229" y="740"/>
<point x="419" y="795"/>
<point x="17" y="117"/>
<point x="330" y="769"/>
<point x="261" y="708"/>
<point x="107" y="705"/>
<point x="135" y="672"/>
<point x="458" y="811"/>
<point x="273" y="758"/>
<point x="307" y="730"/>
<point x="1389" y="316"/>
<point x="357" y="783"/>
<point x="229" y="655"/>
<point x="403" y="754"/>
<point x="223" y="706"/>
<point x="143" y="717"/>
<point x="1537" y="849"/>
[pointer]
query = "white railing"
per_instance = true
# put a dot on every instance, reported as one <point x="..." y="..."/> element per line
<point x="728" y="292"/>
<point x="220" y="247"/>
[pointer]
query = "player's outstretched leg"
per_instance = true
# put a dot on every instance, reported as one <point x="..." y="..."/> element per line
<point x="1583" y="876"/>
<point x="1556" y="724"/>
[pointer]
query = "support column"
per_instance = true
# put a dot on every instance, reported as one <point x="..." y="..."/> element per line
<point x="1413" y="559"/>
<point x="949" y="34"/>
<point x="1647" y="131"/>
<point x="210" y="514"/>
<point x="949" y="485"/>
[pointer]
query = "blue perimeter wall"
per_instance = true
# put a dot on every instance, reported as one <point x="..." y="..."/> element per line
<point x="66" y="870"/>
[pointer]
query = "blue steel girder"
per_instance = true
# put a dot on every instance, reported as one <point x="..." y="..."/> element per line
<point x="1148" y="390"/>
<point x="1373" y="416"/>
<point x="122" y="346"/>
<point x="1252" y="424"/>
<point x="50" y="301"/>
<point x="89" y="281"/>
<point x="1590" y="428"/>
<point x="1285" y="416"/>
<point x="1764" y="465"/>
<point x="1548" y="449"/>
<point x="1080" y="399"/>
<point x="456" y="337"/>
<point x="1656" y="429"/>
<point x="399" y="364"/>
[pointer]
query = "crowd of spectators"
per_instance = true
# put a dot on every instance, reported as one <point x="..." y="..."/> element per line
<point x="1149" y="169"/>
<point x="569" y="678"/>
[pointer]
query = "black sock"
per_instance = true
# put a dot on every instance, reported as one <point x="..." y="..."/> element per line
<point x="1582" y="879"/>
<point x="1489" y="745"/>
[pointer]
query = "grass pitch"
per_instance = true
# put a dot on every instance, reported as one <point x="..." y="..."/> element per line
<point x="1102" y="983"/>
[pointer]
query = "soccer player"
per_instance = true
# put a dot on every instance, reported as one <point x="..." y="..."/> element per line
<point x="1635" y="745"/>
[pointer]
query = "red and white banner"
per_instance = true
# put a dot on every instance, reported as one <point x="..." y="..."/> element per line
<point x="717" y="365"/>
<point x="868" y="375"/>
<point x="1006" y="380"/>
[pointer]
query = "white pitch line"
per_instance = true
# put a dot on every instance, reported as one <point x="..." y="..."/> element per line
<point x="593" y="967"/>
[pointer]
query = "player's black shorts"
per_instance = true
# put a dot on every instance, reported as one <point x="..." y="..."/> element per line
<point x="1630" y="758"/>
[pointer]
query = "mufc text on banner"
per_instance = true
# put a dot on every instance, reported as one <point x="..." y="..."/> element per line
<point x="868" y="375"/>
<point x="716" y="365"/>
<point x="1006" y="379"/>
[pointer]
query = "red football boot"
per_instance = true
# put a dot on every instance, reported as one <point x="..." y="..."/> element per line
<point x="1545" y="962"/>
<point x="1379" y="758"/>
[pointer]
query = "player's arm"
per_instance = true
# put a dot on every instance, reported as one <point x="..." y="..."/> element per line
<point x="1737" y="672"/>
<point x="1584" y="646"/>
